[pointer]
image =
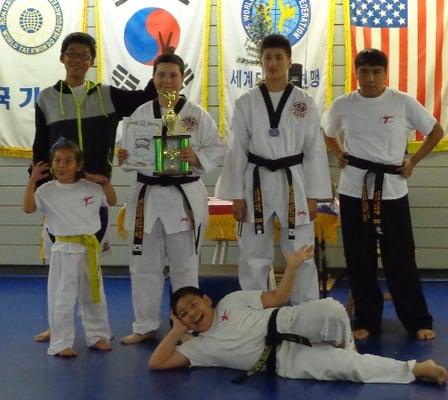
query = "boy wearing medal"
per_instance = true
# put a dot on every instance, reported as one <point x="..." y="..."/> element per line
<point x="276" y="166"/>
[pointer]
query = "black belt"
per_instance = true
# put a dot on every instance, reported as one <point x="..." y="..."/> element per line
<point x="273" y="165"/>
<point x="272" y="340"/>
<point x="379" y="170"/>
<point x="164" y="180"/>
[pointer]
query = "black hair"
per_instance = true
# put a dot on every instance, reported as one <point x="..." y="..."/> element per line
<point x="275" y="40"/>
<point x="371" y="57"/>
<point x="82" y="38"/>
<point x="169" y="58"/>
<point x="64" y="144"/>
<point x="183" y="291"/>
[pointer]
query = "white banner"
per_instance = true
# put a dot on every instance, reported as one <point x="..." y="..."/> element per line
<point x="306" y="23"/>
<point x="31" y="33"/>
<point x="132" y="33"/>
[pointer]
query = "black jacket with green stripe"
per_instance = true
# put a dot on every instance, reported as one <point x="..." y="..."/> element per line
<point x="91" y="123"/>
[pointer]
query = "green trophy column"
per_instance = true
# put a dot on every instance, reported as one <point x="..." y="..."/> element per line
<point x="158" y="148"/>
<point x="183" y="144"/>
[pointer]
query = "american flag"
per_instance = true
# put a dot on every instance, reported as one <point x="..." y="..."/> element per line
<point x="413" y="33"/>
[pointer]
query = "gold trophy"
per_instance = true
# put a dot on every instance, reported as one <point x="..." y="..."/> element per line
<point x="167" y="147"/>
<point x="170" y="118"/>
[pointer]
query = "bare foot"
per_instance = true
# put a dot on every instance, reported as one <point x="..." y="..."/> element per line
<point x="103" y="345"/>
<point x="430" y="371"/>
<point x="67" y="353"/>
<point x="361" y="334"/>
<point x="137" y="337"/>
<point x="43" y="336"/>
<point x="425" y="334"/>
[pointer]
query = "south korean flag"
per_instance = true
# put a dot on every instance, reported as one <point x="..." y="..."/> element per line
<point x="132" y="34"/>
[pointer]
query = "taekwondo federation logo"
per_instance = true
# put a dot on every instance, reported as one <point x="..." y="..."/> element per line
<point x="31" y="27"/>
<point x="148" y="31"/>
<point x="288" y="17"/>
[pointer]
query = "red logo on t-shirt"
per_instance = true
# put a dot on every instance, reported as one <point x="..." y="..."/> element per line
<point x="225" y="316"/>
<point x="388" y="119"/>
<point x="86" y="200"/>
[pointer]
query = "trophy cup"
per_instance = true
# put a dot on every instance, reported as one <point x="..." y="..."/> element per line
<point x="168" y="145"/>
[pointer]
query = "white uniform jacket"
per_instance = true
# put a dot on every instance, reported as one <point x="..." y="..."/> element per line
<point x="166" y="202"/>
<point x="300" y="132"/>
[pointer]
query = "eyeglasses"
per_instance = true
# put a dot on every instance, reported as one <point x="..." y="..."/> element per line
<point x="167" y="75"/>
<point x="190" y="306"/>
<point x="78" y="56"/>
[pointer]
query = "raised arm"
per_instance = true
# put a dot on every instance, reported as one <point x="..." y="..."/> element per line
<point x="127" y="101"/>
<point x="108" y="189"/>
<point x="38" y="173"/>
<point x="165" y="355"/>
<point x="280" y="296"/>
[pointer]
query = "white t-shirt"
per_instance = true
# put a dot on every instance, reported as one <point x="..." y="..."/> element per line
<point x="236" y="337"/>
<point x="376" y="129"/>
<point x="71" y="209"/>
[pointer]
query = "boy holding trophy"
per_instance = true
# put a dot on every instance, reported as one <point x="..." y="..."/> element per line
<point x="170" y="142"/>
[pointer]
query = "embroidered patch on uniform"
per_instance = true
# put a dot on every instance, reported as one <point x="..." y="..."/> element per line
<point x="87" y="200"/>
<point x="189" y="123"/>
<point x="299" y="109"/>
<point x="301" y="212"/>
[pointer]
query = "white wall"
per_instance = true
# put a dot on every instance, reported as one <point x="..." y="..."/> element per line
<point x="20" y="233"/>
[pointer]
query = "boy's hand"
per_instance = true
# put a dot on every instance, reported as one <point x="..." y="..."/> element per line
<point x="166" y="46"/>
<point x="178" y="325"/>
<point x="342" y="159"/>
<point x="312" y="208"/>
<point x="122" y="156"/>
<point x="96" y="178"/>
<point x="298" y="257"/>
<point x="407" y="168"/>
<point x="187" y="154"/>
<point x="39" y="171"/>
<point x="239" y="209"/>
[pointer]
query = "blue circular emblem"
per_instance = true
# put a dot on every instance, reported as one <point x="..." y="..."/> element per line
<point x="31" y="30"/>
<point x="288" y="17"/>
<point x="31" y="20"/>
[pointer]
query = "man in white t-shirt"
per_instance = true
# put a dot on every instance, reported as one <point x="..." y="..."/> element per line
<point x="375" y="122"/>
<point x="312" y="340"/>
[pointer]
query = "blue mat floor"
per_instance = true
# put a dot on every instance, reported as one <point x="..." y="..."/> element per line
<point x="26" y="372"/>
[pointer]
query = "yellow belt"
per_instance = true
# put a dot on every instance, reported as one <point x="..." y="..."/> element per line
<point x="92" y="245"/>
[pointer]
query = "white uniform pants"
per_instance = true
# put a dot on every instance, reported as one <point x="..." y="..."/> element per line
<point x="332" y="356"/>
<point x="67" y="282"/>
<point x="257" y="255"/>
<point x="147" y="273"/>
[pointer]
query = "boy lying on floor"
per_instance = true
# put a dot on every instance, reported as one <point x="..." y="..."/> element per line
<point x="254" y="330"/>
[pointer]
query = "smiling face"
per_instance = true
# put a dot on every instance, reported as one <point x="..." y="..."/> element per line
<point x="195" y="312"/>
<point x="77" y="59"/>
<point x="64" y="166"/>
<point x="371" y="80"/>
